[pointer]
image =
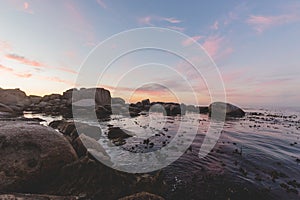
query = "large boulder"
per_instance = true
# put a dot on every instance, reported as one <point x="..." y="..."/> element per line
<point x="221" y="109"/>
<point x="117" y="100"/>
<point x="31" y="155"/>
<point x="14" y="98"/>
<point x="102" y="96"/>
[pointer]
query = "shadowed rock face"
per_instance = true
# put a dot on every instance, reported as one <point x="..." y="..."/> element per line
<point x="30" y="155"/>
<point x="102" y="96"/>
<point x="14" y="98"/>
<point x="219" y="109"/>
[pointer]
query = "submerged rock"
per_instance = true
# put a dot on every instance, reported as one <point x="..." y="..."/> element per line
<point x="31" y="154"/>
<point x="220" y="109"/>
<point x="117" y="135"/>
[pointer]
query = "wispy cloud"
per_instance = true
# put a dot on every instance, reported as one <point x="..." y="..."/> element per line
<point x="191" y="40"/>
<point x="261" y="23"/>
<point x="149" y="20"/>
<point x="24" y="60"/>
<point x="102" y="4"/>
<point x="215" y="26"/>
<point x="27" y="8"/>
<point x="4" y="68"/>
<point x="4" y="46"/>
<point x="212" y="44"/>
<point x="66" y="69"/>
<point x="145" y="20"/>
<point x="171" y="20"/>
<point x="176" y="28"/>
<point x="37" y="64"/>
<point x="23" y="75"/>
<point x="15" y="73"/>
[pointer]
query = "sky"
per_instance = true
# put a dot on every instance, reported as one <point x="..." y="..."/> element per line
<point x="44" y="45"/>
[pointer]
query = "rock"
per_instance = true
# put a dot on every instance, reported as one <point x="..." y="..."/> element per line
<point x="146" y="102"/>
<point x="35" y="99"/>
<point x="142" y="196"/>
<point x="94" y="180"/>
<point x="192" y="108"/>
<point x="117" y="135"/>
<point x="14" y="98"/>
<point x="203" y="109"/>
<point x="6" y="111"/>
<point x="93" y="147"/>
<point x="173" y="109"/>
<point x="117" y="100"/>
<point x="102" y="97"/>
<point x="31" y="155"/>
<point x="51" y="97"/>
<point x="218" y="109"/>
<point x="35" y="197"/>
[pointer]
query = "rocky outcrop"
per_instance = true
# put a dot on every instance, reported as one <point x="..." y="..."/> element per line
<point x="142" y="196"/>
<point x="14" y="98"/>
<point x="80" y="100"/>
<point x="31" y="154"/>
<point x="221" y="109"/>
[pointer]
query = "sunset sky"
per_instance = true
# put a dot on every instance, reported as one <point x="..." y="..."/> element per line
<point x="255" y="45"/>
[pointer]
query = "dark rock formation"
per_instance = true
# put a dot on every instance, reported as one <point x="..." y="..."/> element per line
<point x="220" y="109"/>
<point x="31" y="154"/>
<point x="117" y="135"/>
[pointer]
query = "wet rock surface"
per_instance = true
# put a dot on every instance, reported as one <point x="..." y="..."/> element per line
<point x="220" y="109"/>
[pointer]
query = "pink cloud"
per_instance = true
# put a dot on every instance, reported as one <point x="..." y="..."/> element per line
<point x="13" y="72"/>
<point x="102" y="4"/>
<point x="261" y="23"/>
<point x="66" y="69"/>
<point x="23" y="75"/>
<point x="4" y="68"/>
<point x="176" y="28"/>
<point x="26" y="5"/>
<point x="145" y="20"/>
<point x="212" y="45"/>
<point x="4" y="46"/>
<point x="24" y="60"/>
<point x="171" y="20"/>
<point x="148" y="20"/>
<point x="215" y="26"/>
<point x="37" y="64"/>
<point x="191" y="40"/>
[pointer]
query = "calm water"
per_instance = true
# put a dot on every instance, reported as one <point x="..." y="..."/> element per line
<point x="257" y="156"/>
